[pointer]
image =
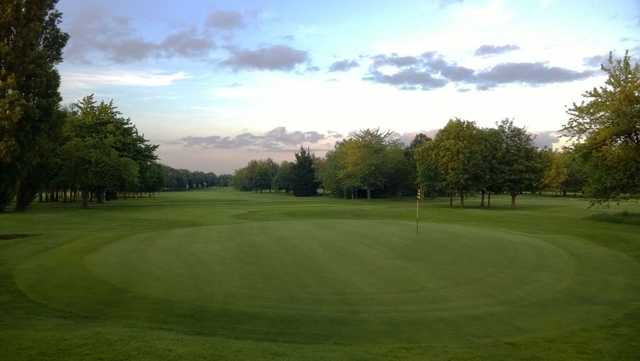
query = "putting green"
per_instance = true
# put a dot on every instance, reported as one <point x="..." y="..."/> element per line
<point x="322" y="281"/>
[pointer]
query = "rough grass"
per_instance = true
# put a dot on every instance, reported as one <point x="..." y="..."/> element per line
<point x="240" y="276"/>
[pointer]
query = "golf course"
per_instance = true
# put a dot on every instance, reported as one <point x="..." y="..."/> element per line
<point x="223" y="275"/>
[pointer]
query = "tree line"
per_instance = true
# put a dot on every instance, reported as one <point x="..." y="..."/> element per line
<point x="461" y="159"/>
<point x="97" y="155"/>
<point x="184" y="180"/>
<point x="298" y="177"/>
<point x="603" y="162"/>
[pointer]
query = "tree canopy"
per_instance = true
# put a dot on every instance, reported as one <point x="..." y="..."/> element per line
<point x="608" y="123"/>
<point x="31" y="44"/>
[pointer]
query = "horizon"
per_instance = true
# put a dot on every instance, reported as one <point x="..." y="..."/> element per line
<point x="216" y="86"/>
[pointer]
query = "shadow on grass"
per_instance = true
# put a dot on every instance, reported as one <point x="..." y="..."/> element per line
<point x="624" y="217"/>
<point x="6" y="237"/>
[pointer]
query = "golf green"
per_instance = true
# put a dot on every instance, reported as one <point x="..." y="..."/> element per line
<point x="242" y="276"/>
<point x="374" y="281"/>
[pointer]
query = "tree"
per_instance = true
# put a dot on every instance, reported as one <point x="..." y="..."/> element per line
<point x="266" y="171"/>
<point x="283" y="180"/>
<point x="31" y="44"/>
<point x="458" y="152"/>
<point x="429" y="175"/>
<point x="489" y="172"/>
<point x="224" y="180"/>
<point x="329" y="172"/>
<point x="608" y="121"/>
<point x="411" y="156"/>
<point x="103" y="153"/>
<point x="151" y="178"/>
<point x="303" y="175"/>
<point x="555" y="171"/>
<point x="519" y="160"/>
<point x="369" y="161"/>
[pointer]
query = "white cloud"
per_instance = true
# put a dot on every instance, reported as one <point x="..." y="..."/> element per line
<point x="120" y="78"/>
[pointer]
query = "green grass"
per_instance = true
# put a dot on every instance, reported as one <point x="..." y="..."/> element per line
<point x="222" y="275"/>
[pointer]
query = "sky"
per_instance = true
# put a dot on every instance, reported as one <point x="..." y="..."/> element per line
<point x="217" y="83"/>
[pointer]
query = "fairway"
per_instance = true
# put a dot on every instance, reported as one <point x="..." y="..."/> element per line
<point x="226" y="275"/>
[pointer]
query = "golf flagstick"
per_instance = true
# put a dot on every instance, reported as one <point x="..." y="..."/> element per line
<point x="418" y="198"/>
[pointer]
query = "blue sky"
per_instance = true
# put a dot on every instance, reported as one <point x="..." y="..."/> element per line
<point x="219" y="83"/>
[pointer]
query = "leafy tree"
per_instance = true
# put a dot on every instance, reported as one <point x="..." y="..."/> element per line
<point x="489" y="172"/>
<point x="283" y="180"/>
<point x="410" y="153"/>
<point x="459" y="157"/>
<point x="429" y="175"/>
<point x="398" y="171"/>
<point x="329" y="172"/>
<point x="608" y="121"/>
<point x="555" y="171"/>
<point x="303" y="174"/>
<point x="103" y="153"/>
<point x="151" y="178"/>
<point x="367" y="159"/>
<point x="224" y="180"/>
<point x="31" y="44"/>
<point x="266" y="171"/>
<point x="519" y="160"/>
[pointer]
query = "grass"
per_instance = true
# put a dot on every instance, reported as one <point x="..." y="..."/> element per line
<point x="239" y="276"/>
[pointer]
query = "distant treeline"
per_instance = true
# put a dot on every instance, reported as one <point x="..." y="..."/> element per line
<point x="603" y="163"/>
<point x="460" y="160"/>
<point x="100" y="156"/>
<point x="182" y="179"/>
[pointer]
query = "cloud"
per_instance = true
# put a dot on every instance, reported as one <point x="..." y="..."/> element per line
<point x="277" y="139"/>
<point x="187" y="44"/>
<point x="445" y="3"/>
<point x="431" y="71"/>
<point x="407" y="138"/>
<point x="426" y="72"/>
<point x="488" y="50"/>
<point x="408" y="79"/>
<point x="276" y="57"/>
<point x="546" y="139"/>
<point x="528" y="73"/>
<point x="343" y="65"/>
<point x="120" y="78"/>
<point x="225" y="20"/>
<point x="394" y="60"/>
<point x="96" y="33"/>
<point x="596" y="61"/>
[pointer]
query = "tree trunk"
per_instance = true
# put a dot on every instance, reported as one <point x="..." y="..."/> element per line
<point x="85" y="199"/>
<point x="482" y="200"/>
<point x="489" y="200"/>
<point x="462" y="199"/>
<point x="513" y="200"/>
<point x="368" y="193"/>
<point x="100" y="197"/>
<point x="25" y="195"/>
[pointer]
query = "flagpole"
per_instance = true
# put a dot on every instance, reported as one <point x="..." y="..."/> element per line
<point x="418" y="196"/>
